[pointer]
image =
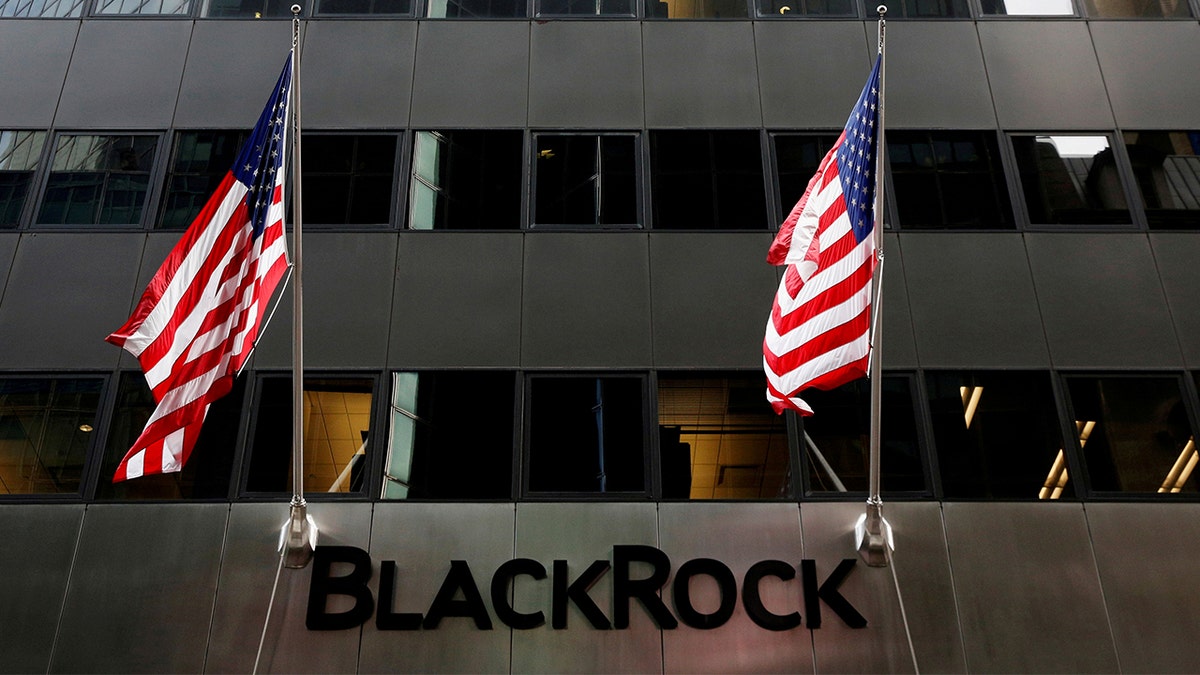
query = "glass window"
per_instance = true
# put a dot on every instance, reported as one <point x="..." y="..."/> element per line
<point x="1136" y="9"/>
<point x="836" y="439"/>
<point x="249" y="9"/>
<point x="585" y="180"/>
<point x="376" y="7"/>
<point x="797" y="158"/>
<point x="46" y="428"/>
<point x="206" y="473"/>
<point x="696" y="9"/>
<point x="902" y="9"/>
<point x="1027" y="7"/>
<point x="98" y="180"/>
<point x="465" y="180"/>
<point x="476" y="9"/>
<point x="702" y="180"/>
<point x="348" y="179"/>
<point x="1134" y="433"/>
<point x="20" y="153"/>
<point x="337" y="427"/>
<point x="719" y="438"/>
<point x="1070" y="180"/>
<point x="777" y="8"/>
<point x="997" y="435"/>
<point x="586" y="435"/>
<point x="144" y="7"/>
<point x="439" y="449"/>
<point x="199" y="164"/>
<point x="41" y="9"/>
<point x="948" y="179"/>
<point x="1166" y="166"/>
<point x="585" y="8"/>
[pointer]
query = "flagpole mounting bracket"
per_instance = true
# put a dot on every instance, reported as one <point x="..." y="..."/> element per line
<point x="873" y="535"/>
<point x="299" y="536"/>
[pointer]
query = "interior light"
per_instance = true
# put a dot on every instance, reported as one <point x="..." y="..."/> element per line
<point x="785" y="9"/>
<point x="1181" y="471"/>
<point x="545" y="154"/>
<point x="85" y="427"/>
<point x="1056" y="480"/>
<point x="970" y="397"/>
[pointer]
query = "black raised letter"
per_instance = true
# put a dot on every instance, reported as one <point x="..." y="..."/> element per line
<point x="726" y="589"/>
<point x="577" y="592"/>
<point x="511" y="617"/>
<point x="385" y="618"/>
<point x="829" y="593"/>
<point x="458" y="578"/>
<point x="645" y="590"/>
<point x="752" y="599"/>
<point x="353" y="584"/>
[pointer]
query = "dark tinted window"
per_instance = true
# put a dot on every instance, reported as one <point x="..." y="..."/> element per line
<point x="98" y="180"/>
<point x="1070" y="180"/>
<point x="465" y="180"/>
<point x="1166" y="166"/>
<point x="144" y="7"/>
<point x="797" y="158"/>
<point x="476" y="9"/>
<point x="249" y="9"/>
<point x="198" y="164"/>
<point x="702" y="180"/>
<point x="948" y="179"/>
<point x="348" y="179"/>
<point x="1136" y="9"/>
<point x="899" y="9"/>
<point x="392" y="7"/>
<point x="585" y="180"/>
<point x="20" y="154"/>
<point x="778" y="8"/>
<point x="688" y="9"/>
<point x="46" y="428"/>
<point x="1027" y="7"/>
<point x="585" y="7"/>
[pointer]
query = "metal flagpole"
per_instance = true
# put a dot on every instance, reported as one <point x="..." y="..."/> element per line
<point x="873" y="533"/>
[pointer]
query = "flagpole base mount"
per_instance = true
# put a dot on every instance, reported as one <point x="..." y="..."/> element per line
<point x="873" y="535"/>
<point x="299" y="537"/>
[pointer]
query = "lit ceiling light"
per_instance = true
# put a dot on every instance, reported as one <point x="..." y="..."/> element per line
<point x="970" y="397"/>
<point x="85" y="427"/>
<point x="1181" y="471"/>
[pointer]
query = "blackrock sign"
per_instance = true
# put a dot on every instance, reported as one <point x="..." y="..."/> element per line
<point x="459" y="594"/>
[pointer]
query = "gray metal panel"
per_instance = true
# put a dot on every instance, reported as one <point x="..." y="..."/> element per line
<point x="65" y="293"/>
<point x="347" y="303"/>
<point x="586" y="300"/>
<point x="972" y="301"/>
<point x="244" y="590"/>
<point x="935" y="77"/>
<point x="39" y="544"/>
<point x="810" y="72"/>
<point x="1147" y="556"/>
<point x="685" y="63"/>
<point x="921" y="564"/>
<point x="1044" y="75"/>
<point x="125" y="74"/>
<point x="423" y="539"/>
<point x="586" y="74"/>
<point x="1141" y="63"/>
<point x="457" y="300"/>
<point x="1101" y="300"/>
<point x="471" y="74"/>
<point x="231" y="67"/>
<point x="358" y="74"/>
<point x="36" y="55"/>
<point x="141" y="590"/>
<point x="580" y="534"/>
<point x="1176" y="255"/>
<point x="897" y="347"/>
<point x="711" y="298"/>
<point x="738" y="535"/>
<point x="1028" y="589"/>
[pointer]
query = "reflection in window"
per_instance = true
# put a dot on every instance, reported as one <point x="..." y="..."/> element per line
<point x="465" y="180"/>
<point x="797" y="158"/>
<point x="775" y="8"/>
<point x="1136" y="9"/>
<point x="200" y="161"/>
<point x="43" y="9"/>
<point x="476" y="9"/>
<point x="586" y="435"/>
<point x="997" y="435"/>
<point x="1070" y="180"/>
<point x="952" y="9"/>
<point x="440" y="449"/>
<point x="249" y="9"/>
<point x="585" y="8"/>
<point x="1166" y="166"/>
<point x="585" y="180"/>
<point x="98" y="180"/>
<point x="696" y="9"/>
<point x="144" y="7"/>
<point x="348" y="179"/>
<point x="20" y="152"/>
<point x="376" y="7"/>
<point x="206" y="473"/>
<point x="948" y="179"/>
<point x="719" y="439"/>
<point x="836" y="439"/>
<point x="46" y="427"/>
<point x="337" y="424"/>
<point x="1028" y="7"/>
<point x="707" y="180"/>
<point x="1138" y="437"/>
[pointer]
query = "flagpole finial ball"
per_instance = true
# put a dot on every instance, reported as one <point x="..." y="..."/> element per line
<point x="296" y="9"/>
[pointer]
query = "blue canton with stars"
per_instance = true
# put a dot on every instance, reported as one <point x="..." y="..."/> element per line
<point x="856" y="158"/>
<point x="261" y="158"/>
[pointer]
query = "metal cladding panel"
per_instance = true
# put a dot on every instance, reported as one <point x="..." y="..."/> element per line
<point x="973" y="303"/>
<point x="1044" y="75"/>
<point x="231" y="67"/>
<point x="244" y="590"/>
<point x="141" y="592"/>
<point x="922" y="568"/>
<point x="36" y="54"/>
<point x="738" y="535"/>
<point x="1028" y="590"/>
<point x="423" y="539"/>
<point x="457" y="301"/>
<point x="586" y="300"/>
<point x="65" y="293"/>
<point x="581" y="533"/>
<point x="125" y="74"/>
<point x="1102" y="301"/>
<point x="897" y="346"/>
<point x="681" y="90"/>
<point x="1141" y="63"/>
<point x="935" y="77"/>
<point x="1147" y="556"/>
<point x="1176" y="255"/>
<point x="471" y="74"/>
<point x="39" y="544"/>
<point x="810" y="73"/>
<point x="586" y="74"/>
<point x="347" y="303"/>
<point x="711" y="297"/>
<point x="358" y="74"/>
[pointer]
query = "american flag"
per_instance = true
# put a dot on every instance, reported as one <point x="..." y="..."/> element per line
<point x="818" y="333"/>
<point x="197" y="321"/>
